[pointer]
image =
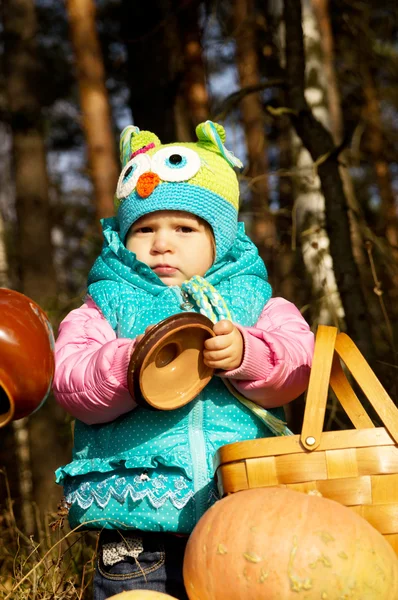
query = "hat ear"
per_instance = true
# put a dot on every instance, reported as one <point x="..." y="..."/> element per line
<point x="212" y="135"/>
<point x="125" y="143"/>
<point x="132" y="140"/>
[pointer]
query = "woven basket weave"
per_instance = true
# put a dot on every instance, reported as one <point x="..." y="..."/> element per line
<point x="356" y="467"/>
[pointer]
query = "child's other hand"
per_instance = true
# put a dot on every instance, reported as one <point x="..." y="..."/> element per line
<point x="147" y="330"/>
<point x="225" y="350"/>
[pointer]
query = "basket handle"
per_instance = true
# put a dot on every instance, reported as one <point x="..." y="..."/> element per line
<point x="347" y="397"/>
<point x="368" y="382"/>
<point x="317" y="393"/>
<point x="326" y="368"/>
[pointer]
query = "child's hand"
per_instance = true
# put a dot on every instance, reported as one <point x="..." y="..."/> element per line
<point x="225" y="350"/>
<point x="139" y="337"/>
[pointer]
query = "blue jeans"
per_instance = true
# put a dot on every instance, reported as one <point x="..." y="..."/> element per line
<point x="157" y="568"/>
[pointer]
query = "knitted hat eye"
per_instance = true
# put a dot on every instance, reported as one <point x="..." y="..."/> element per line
<point x="130" y="174"/>
<point x="176" y="163"/>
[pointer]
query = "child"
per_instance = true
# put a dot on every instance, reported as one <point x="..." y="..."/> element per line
<point x="143" y="477"/>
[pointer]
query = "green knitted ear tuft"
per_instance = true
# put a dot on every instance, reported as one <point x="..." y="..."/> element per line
<point x="212" y="136"/>
<point x="125" y="143"/>
<point x="132" y="140"/>
<point x="204" y="131"/>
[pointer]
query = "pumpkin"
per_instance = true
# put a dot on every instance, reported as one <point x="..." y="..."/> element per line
<point x="142" y="595"/>
<point x="277" y="543"/>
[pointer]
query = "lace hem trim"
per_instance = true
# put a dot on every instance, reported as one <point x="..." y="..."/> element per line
<point x="117" y="488"/>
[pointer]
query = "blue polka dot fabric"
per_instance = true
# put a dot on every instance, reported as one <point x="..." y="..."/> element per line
<point x="153" y="470"/>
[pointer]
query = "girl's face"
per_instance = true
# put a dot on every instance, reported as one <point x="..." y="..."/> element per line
<point x="176" y="245"/>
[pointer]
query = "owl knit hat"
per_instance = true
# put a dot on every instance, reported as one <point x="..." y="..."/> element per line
<point x="198" y="178"/>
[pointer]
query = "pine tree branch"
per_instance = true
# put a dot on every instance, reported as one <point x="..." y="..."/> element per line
<point x="231" y="101"/>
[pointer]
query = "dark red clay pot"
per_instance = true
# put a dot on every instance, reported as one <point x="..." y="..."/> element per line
<point x="26" y="356"/>
<point x="166" y="369"/>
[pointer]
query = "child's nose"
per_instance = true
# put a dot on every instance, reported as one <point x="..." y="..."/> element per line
<point x="146" y="184"/>
<point x="161" y="243"/>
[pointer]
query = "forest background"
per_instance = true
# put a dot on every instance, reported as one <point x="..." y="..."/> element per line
<point x="307" y="92"/>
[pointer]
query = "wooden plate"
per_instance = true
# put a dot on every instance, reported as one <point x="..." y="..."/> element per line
<point x="166" y="369"/>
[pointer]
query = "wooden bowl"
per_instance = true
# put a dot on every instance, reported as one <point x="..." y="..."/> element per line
<point x="26" y="356"/>
<point x="166" y="369"/>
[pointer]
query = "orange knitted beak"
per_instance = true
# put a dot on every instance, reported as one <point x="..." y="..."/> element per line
<point x="146" y="184"/>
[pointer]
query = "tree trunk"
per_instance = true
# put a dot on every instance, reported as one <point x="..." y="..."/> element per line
<point x="155" y="67"/>
<point x="3" y="256"/>
<point x="5" y="177"/>
<point x="96" y="113"/>
<point x="50" y="447"/>
<point x="360" y="231"/>
<point x="23" y="78"/>
<point x="309" y="209"/>
<point x="291" y="276"/>
<point x="263" y="231"/>
<point x="14" y="446"/>
<point x="357" y="220"/>
<point x="319" y="143"/>
<point x="376" y="143"/>
<point x="194" y="86"/>
<point x="321" y="12"/>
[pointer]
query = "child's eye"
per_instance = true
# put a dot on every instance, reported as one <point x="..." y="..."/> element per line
<point x="143" y="230"/>
<point x="184" y="229"/>
<point x="176" y="163"/>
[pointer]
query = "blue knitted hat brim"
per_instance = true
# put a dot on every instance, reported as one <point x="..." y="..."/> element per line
<point x="212" y="208"/>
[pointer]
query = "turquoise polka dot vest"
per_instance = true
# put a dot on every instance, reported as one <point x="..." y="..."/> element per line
<point x="153" y="470"/>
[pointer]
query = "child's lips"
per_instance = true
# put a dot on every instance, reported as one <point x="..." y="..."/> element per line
<point x="164" y="269"/>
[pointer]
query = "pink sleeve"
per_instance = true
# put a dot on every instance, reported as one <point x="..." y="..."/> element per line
<point x="277" y="356"/>
<point x="90" y="380"/>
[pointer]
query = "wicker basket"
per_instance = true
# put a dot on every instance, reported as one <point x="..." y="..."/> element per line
<point x="356" y="467"/>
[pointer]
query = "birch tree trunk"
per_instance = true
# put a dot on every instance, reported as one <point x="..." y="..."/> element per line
<point x="320" y="145"/>
<point x="357" y="219"/>
<point x="360" y="231"/>
<point x="96" y="113"/>
<point x="310" y="202"/>
<point x="291" y="278"/>
<point x="263" y="231"/>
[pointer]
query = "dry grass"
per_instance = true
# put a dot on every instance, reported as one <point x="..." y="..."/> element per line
<point x="52" y="565"/>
